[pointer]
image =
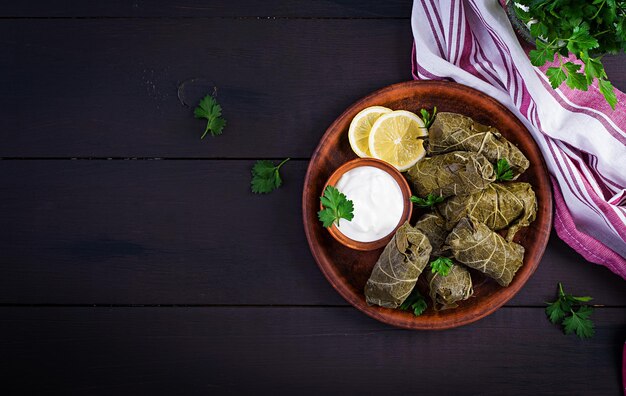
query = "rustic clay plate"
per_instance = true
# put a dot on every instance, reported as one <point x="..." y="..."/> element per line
<point x="347" y="270"/>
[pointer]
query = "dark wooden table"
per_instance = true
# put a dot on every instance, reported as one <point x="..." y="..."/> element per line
<point x="135" y="259"/>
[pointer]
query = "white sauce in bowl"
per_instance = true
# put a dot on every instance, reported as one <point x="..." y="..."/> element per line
<point x="378" y="203"/>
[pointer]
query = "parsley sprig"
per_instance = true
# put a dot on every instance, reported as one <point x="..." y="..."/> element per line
<point x="430" y="200"/>
<point x="503" y="170"/>
<point x="571" y="312"/>
<point x="441" y="266"/>
<point x="336" y="206"/>
<point x="266" y="177"/>
<point x="210" y="110"/>
<point x="427" y="117"/>
<point x="414" y="302"/>
<point x="582" y="28"/>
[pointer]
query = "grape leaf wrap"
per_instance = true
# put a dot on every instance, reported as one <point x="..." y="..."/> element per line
<point x="433" y="225"/>
<point x="498" y="206"/>
<point x="446" y="291"/>
<point x="452" y="132"/>
<point x="475" y="245"/>
<point x="398" y="267"/>
<point x="455" y="173"/>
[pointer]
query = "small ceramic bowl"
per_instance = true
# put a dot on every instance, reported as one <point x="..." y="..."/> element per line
<point x="406" y="195"/>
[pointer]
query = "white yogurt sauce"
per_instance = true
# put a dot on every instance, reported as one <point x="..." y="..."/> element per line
<point x="378" y="203"/>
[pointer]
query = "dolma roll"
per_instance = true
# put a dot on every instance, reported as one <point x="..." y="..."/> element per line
<point x="433" y="225"/>
<point x="396" y="271"/>
<point x="446" y="291"/>
<point x="456" y="173"/>
<point x="498" y="206"/>
<point x="475" y="245"/>
<point x="451" y="132"/>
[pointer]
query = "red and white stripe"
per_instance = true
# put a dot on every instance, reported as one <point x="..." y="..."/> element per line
<point x="581" y="138"/>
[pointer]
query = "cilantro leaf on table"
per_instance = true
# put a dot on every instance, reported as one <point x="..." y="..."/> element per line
<point x="336" y="206"/>
<point x="430" y="200"/>
<point x="265" y="176"/>
<point x="427" y="117"/>
<point x="414" y="302"/>
<point x="210" y="110"/>
<point x="571" y="312"/>
<point x="580" y="323"/>
<point x="503" y="170"/>
<point x="441" y="266"/>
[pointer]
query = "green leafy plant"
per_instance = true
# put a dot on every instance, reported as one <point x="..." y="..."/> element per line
<point x="441" y="266"/>
<point x="266" y="176"/>
<point x="572" y="313"/>
<point x="427" y="117"/>
<point x="336" y="206"/>
<point x="588" y="29"/>
<point x="414" y="302"/>
<point x="429" y="201"/>
<point x="210" y="110"/>
<point x="503" y="170"/>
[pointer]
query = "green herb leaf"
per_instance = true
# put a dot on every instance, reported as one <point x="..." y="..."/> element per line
<point x="210" y="110"/>
<point x="575" y="80"/>
<point x="541" y="55"/>
<point x="555" y="312"/>
<point x="503" y="170"/>
<point x="414" y="302"/>
<point x="441" y="266"/>
<point x="608" y="91"/>
<point x="571" y="312"/>
<point x="336" y="206"/>
<point x="580" y="323"/>
<point x="429" y="201"/>
<point x="266" y="176"/>
<point x="556" y="75"/>
<point x="581" y="40"/>
<point x="427" y="117"/>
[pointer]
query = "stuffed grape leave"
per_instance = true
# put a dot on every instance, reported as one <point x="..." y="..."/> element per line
<point x="452" y="132"/>
<point x="446" y="291"/>
<point x="499" y="206"/>
<point x="398" y="267"/>
<point x="475" y="245"/>
<point x="433" y="225"/>
<point x="456" y="173"/>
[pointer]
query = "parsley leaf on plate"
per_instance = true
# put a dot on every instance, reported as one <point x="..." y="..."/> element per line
<point x="414" y="302"/>
<point x="503" y="170"/>
<point x="427" y="117"/>
<point x="336" y="206"/>
<point x="430" y="200"/>
<point x="441" y="266"/>
<point x="265" y="176"/>
<point x="210" y="110"/>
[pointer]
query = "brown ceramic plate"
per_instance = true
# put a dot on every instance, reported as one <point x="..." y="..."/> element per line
<point x="347" y="270"/>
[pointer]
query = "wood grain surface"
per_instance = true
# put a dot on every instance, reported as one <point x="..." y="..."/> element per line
<point x="129" y="276"/>
<point x="286" y="350"/>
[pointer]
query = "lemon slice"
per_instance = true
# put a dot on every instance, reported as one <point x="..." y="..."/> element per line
<point x="395" y="138"/>
<point x="360" y="128"/>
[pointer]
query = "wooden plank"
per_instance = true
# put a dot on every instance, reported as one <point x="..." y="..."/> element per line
<point x="178" y="231"/>
<point x="198" y="8"/>
<point x="108" y="88"/>
<point x="515" y="351"/>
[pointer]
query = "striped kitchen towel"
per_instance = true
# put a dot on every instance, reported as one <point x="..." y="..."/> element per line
<point x="582" y="139"/>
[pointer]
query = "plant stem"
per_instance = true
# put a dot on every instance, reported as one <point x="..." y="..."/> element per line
<point x="282" y="163"/>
